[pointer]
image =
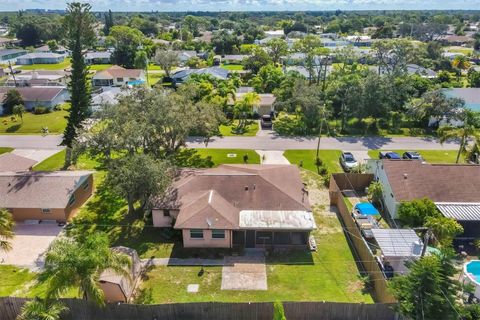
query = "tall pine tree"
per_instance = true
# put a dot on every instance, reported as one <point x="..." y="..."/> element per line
<point x="108" y="22"/>
<point x="80" y="35"/>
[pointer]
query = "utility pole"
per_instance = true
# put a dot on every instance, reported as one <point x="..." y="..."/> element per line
<point x="11" y="72"/>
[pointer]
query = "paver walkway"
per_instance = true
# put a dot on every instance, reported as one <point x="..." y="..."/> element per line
<point x="272" y="157"/>
<point x="245" y="273"/>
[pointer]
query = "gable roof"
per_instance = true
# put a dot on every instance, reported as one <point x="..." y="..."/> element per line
<point x="216" y="72"/>
<point x="411" y="179"/>
<point x="266" y="99"/>
<point x="48" y="93"/>
<point x="36" y="189"/>
<point x="43" y="55"/>
<point x="12" y="162"/>
<point x="119" y="72"/>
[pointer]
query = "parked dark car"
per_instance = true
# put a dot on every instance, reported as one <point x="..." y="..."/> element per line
<point x="266" y="121"/>
<point x="412" y="155"/>
<point x="389" y="155"/>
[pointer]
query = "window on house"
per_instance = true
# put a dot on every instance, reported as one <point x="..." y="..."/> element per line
<point x="218" y="234"/>
<point x="46" y="211"/>
<point x="119" y="79"/>
<point x="196" y="233"/>
<point x="85" y="185"/>
<point x="72" y="200"/>
<point x="166" y="213"/>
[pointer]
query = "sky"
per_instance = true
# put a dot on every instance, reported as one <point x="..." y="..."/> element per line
<point x="245" y="5"/>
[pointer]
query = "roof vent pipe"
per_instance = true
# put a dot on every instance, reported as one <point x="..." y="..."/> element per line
<point x="246" y="188"/>
<point x="405" y="176"/>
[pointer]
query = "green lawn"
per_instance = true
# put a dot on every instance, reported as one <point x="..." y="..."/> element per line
<point x="329" y="274"/>
<point x="13" y="279"/>
<point x="330" y="159"/>
<point x="221" y="156"/>
<point x="33" y="124"/>
<point x="153" y="78"/>
<point x="52" y="163"/>
<point x="233" y="67"/>
<point x="432" y="156"/>
<point x="5" y="149"/>
<point x="251" y="129"/>
<point x="99" y="67"/>
<point x="55" y="66"/>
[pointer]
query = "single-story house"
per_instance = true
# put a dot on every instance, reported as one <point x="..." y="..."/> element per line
<point x="234" y="58"/>
<point x="12" y="162"/>
<point x="454" y="40"/>
<point x="216" y="72"/>
<point x="184" y="56"/>
<point x="421" y="71"/>
<point x="98" y="57"/>
<point x="5" y="42"/>
<point x="109" y="95"/>
<point x="275" y="33"/>
<point x="119" y="288"/>
<point x="451" y="55"/>
<point x="45" y="48"/>
<point x="11" y="55"/>
<point x="452" y="187"/>
<point x="48" y="97"/>
<point x="238" y="206"/>
<point x="36" y="195"/>
<point x="264" y="106"/>
<point x="118" y="76"/>
<point x="40" y="58"/>
<point x="39" y="78"/>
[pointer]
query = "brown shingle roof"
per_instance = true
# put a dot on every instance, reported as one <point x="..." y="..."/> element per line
<point x="35" y="189"/>
<point x="119" y="72"/>
<point x="13" y="162"/>
<point x="440" y="183"/>
<point x="219" y="194"/>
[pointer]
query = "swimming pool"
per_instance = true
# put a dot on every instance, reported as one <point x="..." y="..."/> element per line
<point x="471" y="274"/>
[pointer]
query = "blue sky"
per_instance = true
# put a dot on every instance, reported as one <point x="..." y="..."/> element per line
<point x="243" y="5"/>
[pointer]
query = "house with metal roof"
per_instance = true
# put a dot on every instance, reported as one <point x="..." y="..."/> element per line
<point x="183" y="75"/>
<point x="238" y="206"/>
<point x="40" y="58"/>
<point x="98" y="57"/>
<point x="11" y="55"/>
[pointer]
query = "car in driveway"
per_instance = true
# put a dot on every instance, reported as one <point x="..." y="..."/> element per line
<point x="266" y="121"/>
<point x="348" y="161"/>
<point x="412" y="155"/>
<point x="389" y="155"/>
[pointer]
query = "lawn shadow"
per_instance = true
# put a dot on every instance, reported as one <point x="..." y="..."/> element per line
<point x="189" y="158"/>
<point x="290" y="257"/>
<point x="13" y="128"/>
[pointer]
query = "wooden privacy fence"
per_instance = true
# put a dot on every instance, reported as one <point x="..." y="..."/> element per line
<point x="83" y="310"/>
<point x="358" y="182"/>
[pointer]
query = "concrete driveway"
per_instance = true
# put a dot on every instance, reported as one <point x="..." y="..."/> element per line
<point x="31" y="241"/>
<point x="35" y="154"/>
<point x="272" y="157"/>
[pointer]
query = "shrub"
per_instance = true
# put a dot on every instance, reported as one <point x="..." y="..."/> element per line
<point x="41" y="110"/>
<point x="415" y="213"/>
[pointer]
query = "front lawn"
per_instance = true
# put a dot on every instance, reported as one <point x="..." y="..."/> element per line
<point x="99" y="67"/>
<point x="54" y="66"/>
<point x="52" y="163"/>
<point x="229" y="156"/>
<point x="431" y="156"/>
<point x="33" y="123"/>
<point x="233" y="67"/>
<point x="251" y="129"/>
<point x="153" y="78"/>
<point x="5" y="149"/>
<point x="330" y="159"/>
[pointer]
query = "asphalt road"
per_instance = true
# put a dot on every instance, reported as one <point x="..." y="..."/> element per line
<point x="266" y="142"/>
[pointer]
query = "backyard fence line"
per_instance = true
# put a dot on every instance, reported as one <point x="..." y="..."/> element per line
<point x="358" y="182"/>
<point x="84" y="310"/>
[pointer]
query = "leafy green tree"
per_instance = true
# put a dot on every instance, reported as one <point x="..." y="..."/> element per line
<point x="244" y="107"/>
<point x="278" y="311"/>
<point x="38" y="309"/>
<point x="375" y="192"/>
<point x="415" y="213"/>
<point x="80" y="35"/>
<point x="7" y="226"/>
<point x="467" y="131"/>
<point x="445" y="229"/>
<point x="429" y="290"/>
<point x="474" y="79"/>
<point x="78" y="263"/>
<point x="258" y="59"/>
<point x="225" y="42"/>
<point x="167" y="60"/>
<point x="126" y="42"/>
<point x="30" y="34"/>
<point x="277" y="48"/>
<point x="12" y="98"/>
<point x="461" y="62"/>
<point x="136" y="177"/>
<point x="18" y="111"/>
<point x="267" y="79"/>
<point x="52" y="45"/>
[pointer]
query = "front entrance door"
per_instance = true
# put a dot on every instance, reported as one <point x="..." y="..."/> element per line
<point x="250" y="239"/>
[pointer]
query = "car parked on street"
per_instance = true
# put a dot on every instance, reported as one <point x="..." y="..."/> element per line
<point x="412" y="155"/>
<point x="389" y="155"/>
<point x="348" y="161"/>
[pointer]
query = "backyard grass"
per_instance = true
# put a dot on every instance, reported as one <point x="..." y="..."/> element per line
<point x="431" y="156"/>
<point x="153" y="78"/>
<point x="33" y="123"/>
<point x="330" y="159"/>
<point x="251" y="129"/>
<point x="54" y="66"/>
<point x="13" y="279"/>
<point x="5" y="149"/>
<point x="329" y="274"/>
<point x="233" y="67"/>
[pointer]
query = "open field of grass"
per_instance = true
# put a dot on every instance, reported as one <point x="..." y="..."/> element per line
<point x="251" y="129"/>
<point x="431" y="156"/>
<point x="330" y="159"/>
<point x="33" y="123"/>
<point x="5" y="149"/>
<point x="55" y="66"/>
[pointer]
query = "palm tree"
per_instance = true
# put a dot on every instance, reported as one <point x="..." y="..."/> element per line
<point x="461" y="62"/>
<point x="463" y="133"/>
<point x="39" y="309"/>
<point x="79" y="263"/>
<point x="245" y="106"/>
<point x="6" y="229"/>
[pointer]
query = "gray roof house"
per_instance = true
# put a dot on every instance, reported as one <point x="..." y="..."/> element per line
<point x="216" y="72"/>
<point x="98" y="57"/>
<point x="40" y="58"/>
<point x="11" y="55"/>
<point x="47" y="97"/>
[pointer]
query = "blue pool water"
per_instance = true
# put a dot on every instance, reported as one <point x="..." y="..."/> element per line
<point x="473" y="267"/>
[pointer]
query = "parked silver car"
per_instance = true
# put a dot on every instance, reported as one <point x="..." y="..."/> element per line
<point x="348" y="161"/>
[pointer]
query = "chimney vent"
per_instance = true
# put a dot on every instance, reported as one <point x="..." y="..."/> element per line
<point x="246" y="188"/>
<point x="405" y="176"/>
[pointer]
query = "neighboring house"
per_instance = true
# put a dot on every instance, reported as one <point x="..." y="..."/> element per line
<point x="216" y="72"/>
<point x="360" y="41"/>
<point x="275" y="33"/>
<point x="40" y="58"/>
<point x="421" y="71"/>
<point x="5" y="42"/>
<point x="234" y="58"/>
<point x="451" y="55"/>
<point x="11" y="55"/>
<point x="264" y="106"/>
<point x="238" y="206"/>
<point x="107" y="96"/>
<point x="48" y="97"/>
<point x="454" y="40"/>
<point x="119" y="288"/>
<point x="98" y="57"/>
<point x="56" y="196"/>
<point x="12" y="162"/>
<point x="37" y="78"/>
<point x="46" y="49"/>
<point x="453" y="188"/>
<point x="118" y="76"/>
<point x="184" y="56"/>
